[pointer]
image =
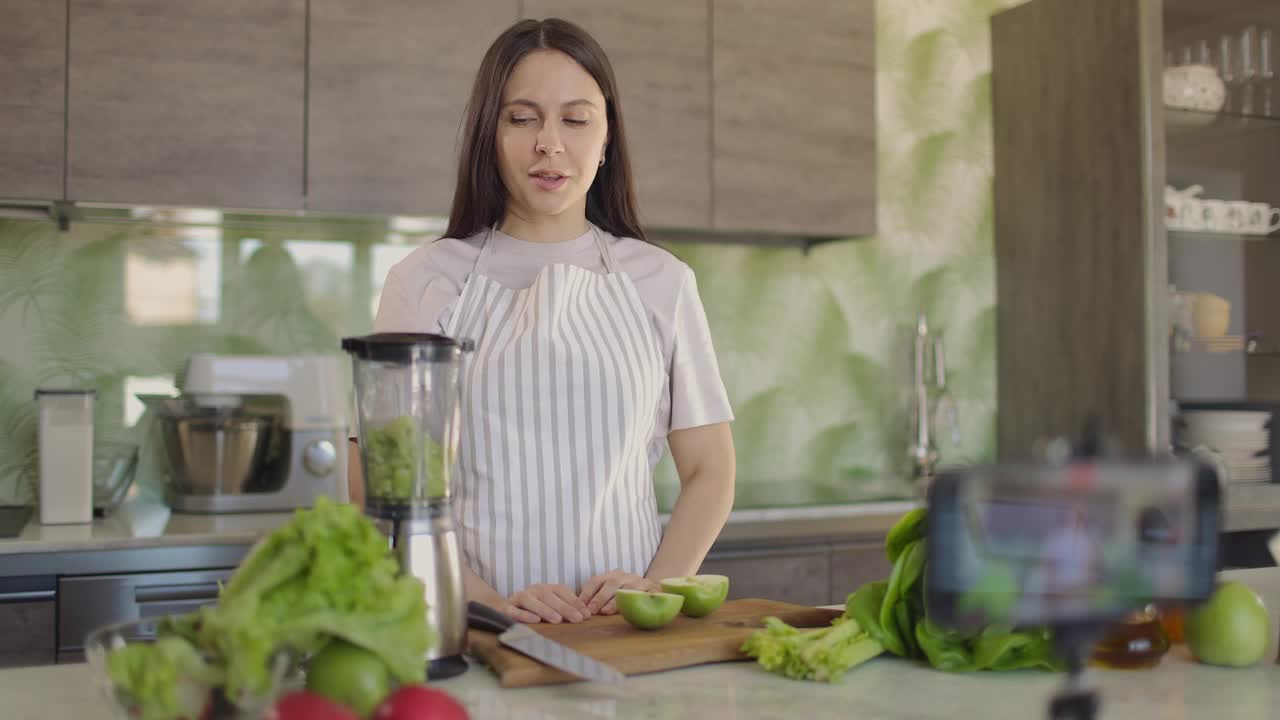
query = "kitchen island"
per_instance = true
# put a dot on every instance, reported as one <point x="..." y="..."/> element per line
<point x="884" y="688"/>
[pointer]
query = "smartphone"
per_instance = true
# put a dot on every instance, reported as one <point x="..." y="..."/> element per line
<point x="1032" y="544"/>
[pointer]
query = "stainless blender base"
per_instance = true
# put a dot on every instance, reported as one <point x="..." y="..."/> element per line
<point x="446" y="667"/>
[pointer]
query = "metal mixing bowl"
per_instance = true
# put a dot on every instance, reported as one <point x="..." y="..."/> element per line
<point x="216" y="454"/>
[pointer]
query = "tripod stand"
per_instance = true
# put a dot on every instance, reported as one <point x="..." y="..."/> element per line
<point x="1074" y="700"/>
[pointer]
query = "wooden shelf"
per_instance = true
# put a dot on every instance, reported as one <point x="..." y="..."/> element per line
<point x="1213" y="236"/>
<point x="1197" y="126"/>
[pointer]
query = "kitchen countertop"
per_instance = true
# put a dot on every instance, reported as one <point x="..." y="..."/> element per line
<point x="143" y="522"/>
<point x="146" y="522"/>
<point x="883" y="688"/>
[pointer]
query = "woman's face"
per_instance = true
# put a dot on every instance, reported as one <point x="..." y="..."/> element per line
<point x="551" y="135"/>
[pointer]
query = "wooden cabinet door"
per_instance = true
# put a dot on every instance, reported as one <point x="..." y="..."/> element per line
<point x="27" y="633"/>
<point x="388" y="83"/>
<point x="661" y="59"/>
<point x="187" y="102"/>
<point x="794" y="108"/>
<point x="800" y="575"/>
<point x="1081" y="252"/>
<point x="854" y="564"/>
<point x="33" y="61"/>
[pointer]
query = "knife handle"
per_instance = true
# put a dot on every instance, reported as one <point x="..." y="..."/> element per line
<point x="483" y="617"/>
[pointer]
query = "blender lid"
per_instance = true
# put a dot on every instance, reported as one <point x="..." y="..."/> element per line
<point x="406" y="347"/>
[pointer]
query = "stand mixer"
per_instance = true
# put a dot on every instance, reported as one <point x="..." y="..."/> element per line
<point x="255" y="433"/>
<point x="409" y="413"/>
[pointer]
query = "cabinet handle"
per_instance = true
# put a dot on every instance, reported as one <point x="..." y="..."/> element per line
<point x="27" y="596"/>
<point x="175" y="593"/>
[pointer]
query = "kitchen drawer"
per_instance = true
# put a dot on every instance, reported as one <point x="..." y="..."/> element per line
<point x="90" y="601"/>
<point x="800" y="575"/>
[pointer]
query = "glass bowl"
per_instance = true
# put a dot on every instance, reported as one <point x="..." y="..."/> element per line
<point x="113" y="469"/>
<point x="100" y="643"/>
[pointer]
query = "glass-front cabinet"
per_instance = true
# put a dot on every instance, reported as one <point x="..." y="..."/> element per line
<point x="1137" y="213"/>
<point x="1222" y="215"/>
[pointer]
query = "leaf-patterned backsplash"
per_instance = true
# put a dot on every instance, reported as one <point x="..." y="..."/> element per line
<point x="812" y="347"/>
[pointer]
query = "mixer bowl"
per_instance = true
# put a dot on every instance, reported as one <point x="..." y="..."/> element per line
<point x="216" y="454"/>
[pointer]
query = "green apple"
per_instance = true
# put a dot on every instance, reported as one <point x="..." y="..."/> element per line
<point x="350" y="675"/>
<point x="1232" y="628"/>
<point x="702" y="593"/>
<point x="646" y="610"/>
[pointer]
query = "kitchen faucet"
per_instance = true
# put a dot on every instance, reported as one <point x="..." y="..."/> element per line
<point x="931" y="403"/>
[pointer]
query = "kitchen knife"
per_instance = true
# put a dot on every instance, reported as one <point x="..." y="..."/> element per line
<point x="524" y="640"/>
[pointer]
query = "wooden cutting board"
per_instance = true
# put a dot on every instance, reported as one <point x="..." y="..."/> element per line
<point x="684" y="642"/>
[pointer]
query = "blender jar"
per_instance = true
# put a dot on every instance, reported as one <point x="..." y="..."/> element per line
<point x="408" y="410"/>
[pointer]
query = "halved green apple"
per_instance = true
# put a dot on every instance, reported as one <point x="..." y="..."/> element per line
<point x="702" y="593"/>
<point x="648" y="610"/>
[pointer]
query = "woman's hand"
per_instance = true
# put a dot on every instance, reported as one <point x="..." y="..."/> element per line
<point x="599" y="591"/>
<point x="552" y="603"/>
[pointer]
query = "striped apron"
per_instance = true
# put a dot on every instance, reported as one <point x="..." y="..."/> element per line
<point x="559" y="402"/>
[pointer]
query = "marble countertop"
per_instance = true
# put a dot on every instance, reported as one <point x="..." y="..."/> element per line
<point x="144" y="521"/>
<point x="886" y="688"/>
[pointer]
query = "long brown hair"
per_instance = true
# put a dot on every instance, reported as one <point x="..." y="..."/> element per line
<point x="480" y="199"/>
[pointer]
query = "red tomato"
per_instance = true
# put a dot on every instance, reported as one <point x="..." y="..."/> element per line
<point x="419" y="702"/>
<point x="304" y="705"/>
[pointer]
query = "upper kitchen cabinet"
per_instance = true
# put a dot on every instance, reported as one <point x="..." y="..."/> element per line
<point x="1077" y="257"/>
<point x="187" y="102"/>
<point x="662" y="60"/>
<point x="33" y="57"/>
<point x="1136" y="221"/>
<point x="388" y="84"/>
<point x="794" y="116"/>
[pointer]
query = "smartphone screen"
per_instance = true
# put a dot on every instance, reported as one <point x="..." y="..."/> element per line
<point x="1032" y="545"/>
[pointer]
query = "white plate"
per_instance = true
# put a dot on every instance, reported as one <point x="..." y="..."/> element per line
<point x="1252" y="431"/>
<point x="1247" y="456"/>
<point x="1227" y="416"/>
<point x="1246" y="469"/>
<point x="1249" y="467"/>
<point x="1238" y="442"/>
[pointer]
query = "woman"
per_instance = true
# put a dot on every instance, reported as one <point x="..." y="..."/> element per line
<point x="592" y="347"/>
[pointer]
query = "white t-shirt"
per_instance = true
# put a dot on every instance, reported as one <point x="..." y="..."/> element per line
<point x="422" y="290"/>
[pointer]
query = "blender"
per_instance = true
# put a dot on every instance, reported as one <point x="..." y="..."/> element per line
<point x="409" y="414"/>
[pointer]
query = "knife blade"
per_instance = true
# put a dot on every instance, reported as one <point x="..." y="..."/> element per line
<point x="526" y="641"/>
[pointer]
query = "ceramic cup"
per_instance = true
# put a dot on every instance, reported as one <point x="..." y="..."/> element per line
<point x="1213" y="214"/>
<point x="1236" y="217"/>
<point x="1261" y="219"/>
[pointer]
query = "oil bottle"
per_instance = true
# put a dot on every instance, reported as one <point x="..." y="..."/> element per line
<point x="1138" y="641"/>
